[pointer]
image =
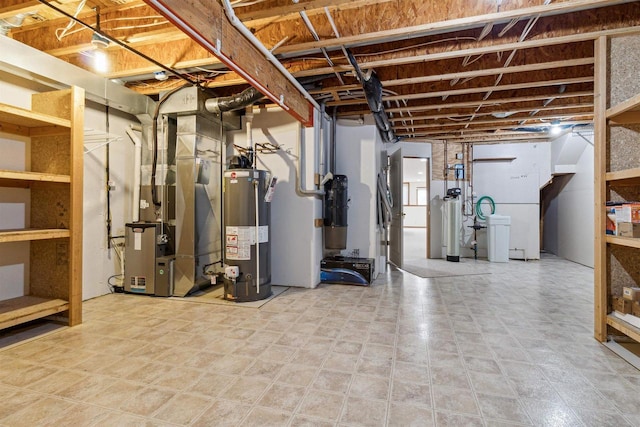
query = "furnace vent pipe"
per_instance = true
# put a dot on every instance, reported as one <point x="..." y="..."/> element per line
<point x="137" y="165"/>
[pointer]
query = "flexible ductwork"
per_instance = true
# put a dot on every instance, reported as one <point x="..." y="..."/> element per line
<point x="8" y="24"/>
<point x="234" y="102"/>
<point x="373" y="92"/>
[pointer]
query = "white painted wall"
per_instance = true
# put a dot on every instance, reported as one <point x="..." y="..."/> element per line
<point x="514" y="185"/>
<point x="98" y="262"/>
<point x="296" y="244"/>
<point x="358" y="157"/>
<point x="568" y="218"/>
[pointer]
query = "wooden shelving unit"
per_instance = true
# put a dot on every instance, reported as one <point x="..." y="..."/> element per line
<point x="624" y="327"/>
<point x="53" y="129"/>
<point x="617" y="176"/>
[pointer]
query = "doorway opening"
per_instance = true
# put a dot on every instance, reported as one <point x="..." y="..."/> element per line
<point x="415" y="208"/>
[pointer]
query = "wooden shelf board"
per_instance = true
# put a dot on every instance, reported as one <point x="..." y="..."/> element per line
<point x="624" y="177"/>
<point x="626" y="112"/>
<point x="27" y="308"/>
<point x="28" y="119"/>
<point x="23" y="178"/>
<point x="495" y="159"/>
<point x="629" y="242"/>
<point x="626" y="328"/>
<point x="32" y="234"/>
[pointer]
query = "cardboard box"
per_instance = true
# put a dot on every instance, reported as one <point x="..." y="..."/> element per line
<point x="628" y="229"/>
<point x="610" y="214"/>
<point x="635" y="308"/>
<point x="622" y="305"/>
<point x="632" y="294"/>
<point x="628" y="212"/>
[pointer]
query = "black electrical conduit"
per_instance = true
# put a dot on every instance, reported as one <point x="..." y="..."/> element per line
<point x="121" y="44"/>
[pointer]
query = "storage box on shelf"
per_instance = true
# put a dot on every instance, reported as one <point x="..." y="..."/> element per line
<point x="53" y="132"/>
<point x="617" y="172"/>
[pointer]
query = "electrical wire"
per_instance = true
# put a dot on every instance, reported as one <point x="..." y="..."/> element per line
<point x="113" y="286"/>
<point x="119" y="43"/>
<point x="415" y="46"/>
<point x="62" y="32"/>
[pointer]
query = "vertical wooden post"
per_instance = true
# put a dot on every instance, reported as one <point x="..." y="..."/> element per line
<point x="600" y="189"/>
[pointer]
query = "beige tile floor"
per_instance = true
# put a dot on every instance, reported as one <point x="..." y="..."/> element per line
<point x="509" y="348"/>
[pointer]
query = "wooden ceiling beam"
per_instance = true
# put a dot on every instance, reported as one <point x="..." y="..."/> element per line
<point x="256" y="18"/>
<point x="470" y="132"/>
<point x="455" y="92"/>
<point x="510" y="111"/>
<point x="218" y="36"/>
<point x="476" y="51"/>
<point x="507" y="122"/>
<point x="482" y="136"/>
<point x="497" y="127"/>
<point x="12" y="8"/>
<point x="468" y="74"/>
<point x="469" y="104"/>
<point x="557" y="8"/>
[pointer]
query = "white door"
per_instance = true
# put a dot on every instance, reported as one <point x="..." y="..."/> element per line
<point x="395" y="186"/>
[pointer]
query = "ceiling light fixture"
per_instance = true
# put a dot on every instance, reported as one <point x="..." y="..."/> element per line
<point x="99" y="42"/>
<point x="555" y="127"/>
<point x="100" y="61"/>
<point x="97" y="39"/>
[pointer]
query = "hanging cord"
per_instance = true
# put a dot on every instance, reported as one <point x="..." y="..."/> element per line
<point x="108" y="178"/>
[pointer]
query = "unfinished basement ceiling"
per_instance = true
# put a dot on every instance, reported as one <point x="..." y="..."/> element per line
<point x="452" y="70"/>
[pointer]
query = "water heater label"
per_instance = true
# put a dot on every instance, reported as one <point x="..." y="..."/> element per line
<point x="238" y="243"/>
<point x="239" y="240"/>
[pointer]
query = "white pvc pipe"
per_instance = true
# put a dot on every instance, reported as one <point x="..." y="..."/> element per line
<point x="249" y="122"/>
<point x="300" y="175"/>
<point x="137" y="165"/>
<point x="255" y="186"/>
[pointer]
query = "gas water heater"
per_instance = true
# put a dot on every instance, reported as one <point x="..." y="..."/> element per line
<point x="247" y="234"/>
<point x="453" y="214"/>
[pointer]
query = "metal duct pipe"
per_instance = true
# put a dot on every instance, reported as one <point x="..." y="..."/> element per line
<point x="233" y="102"/>
<point x="8" y="24"/>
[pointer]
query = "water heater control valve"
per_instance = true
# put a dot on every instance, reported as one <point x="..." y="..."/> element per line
<point x="232" y="272"/>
